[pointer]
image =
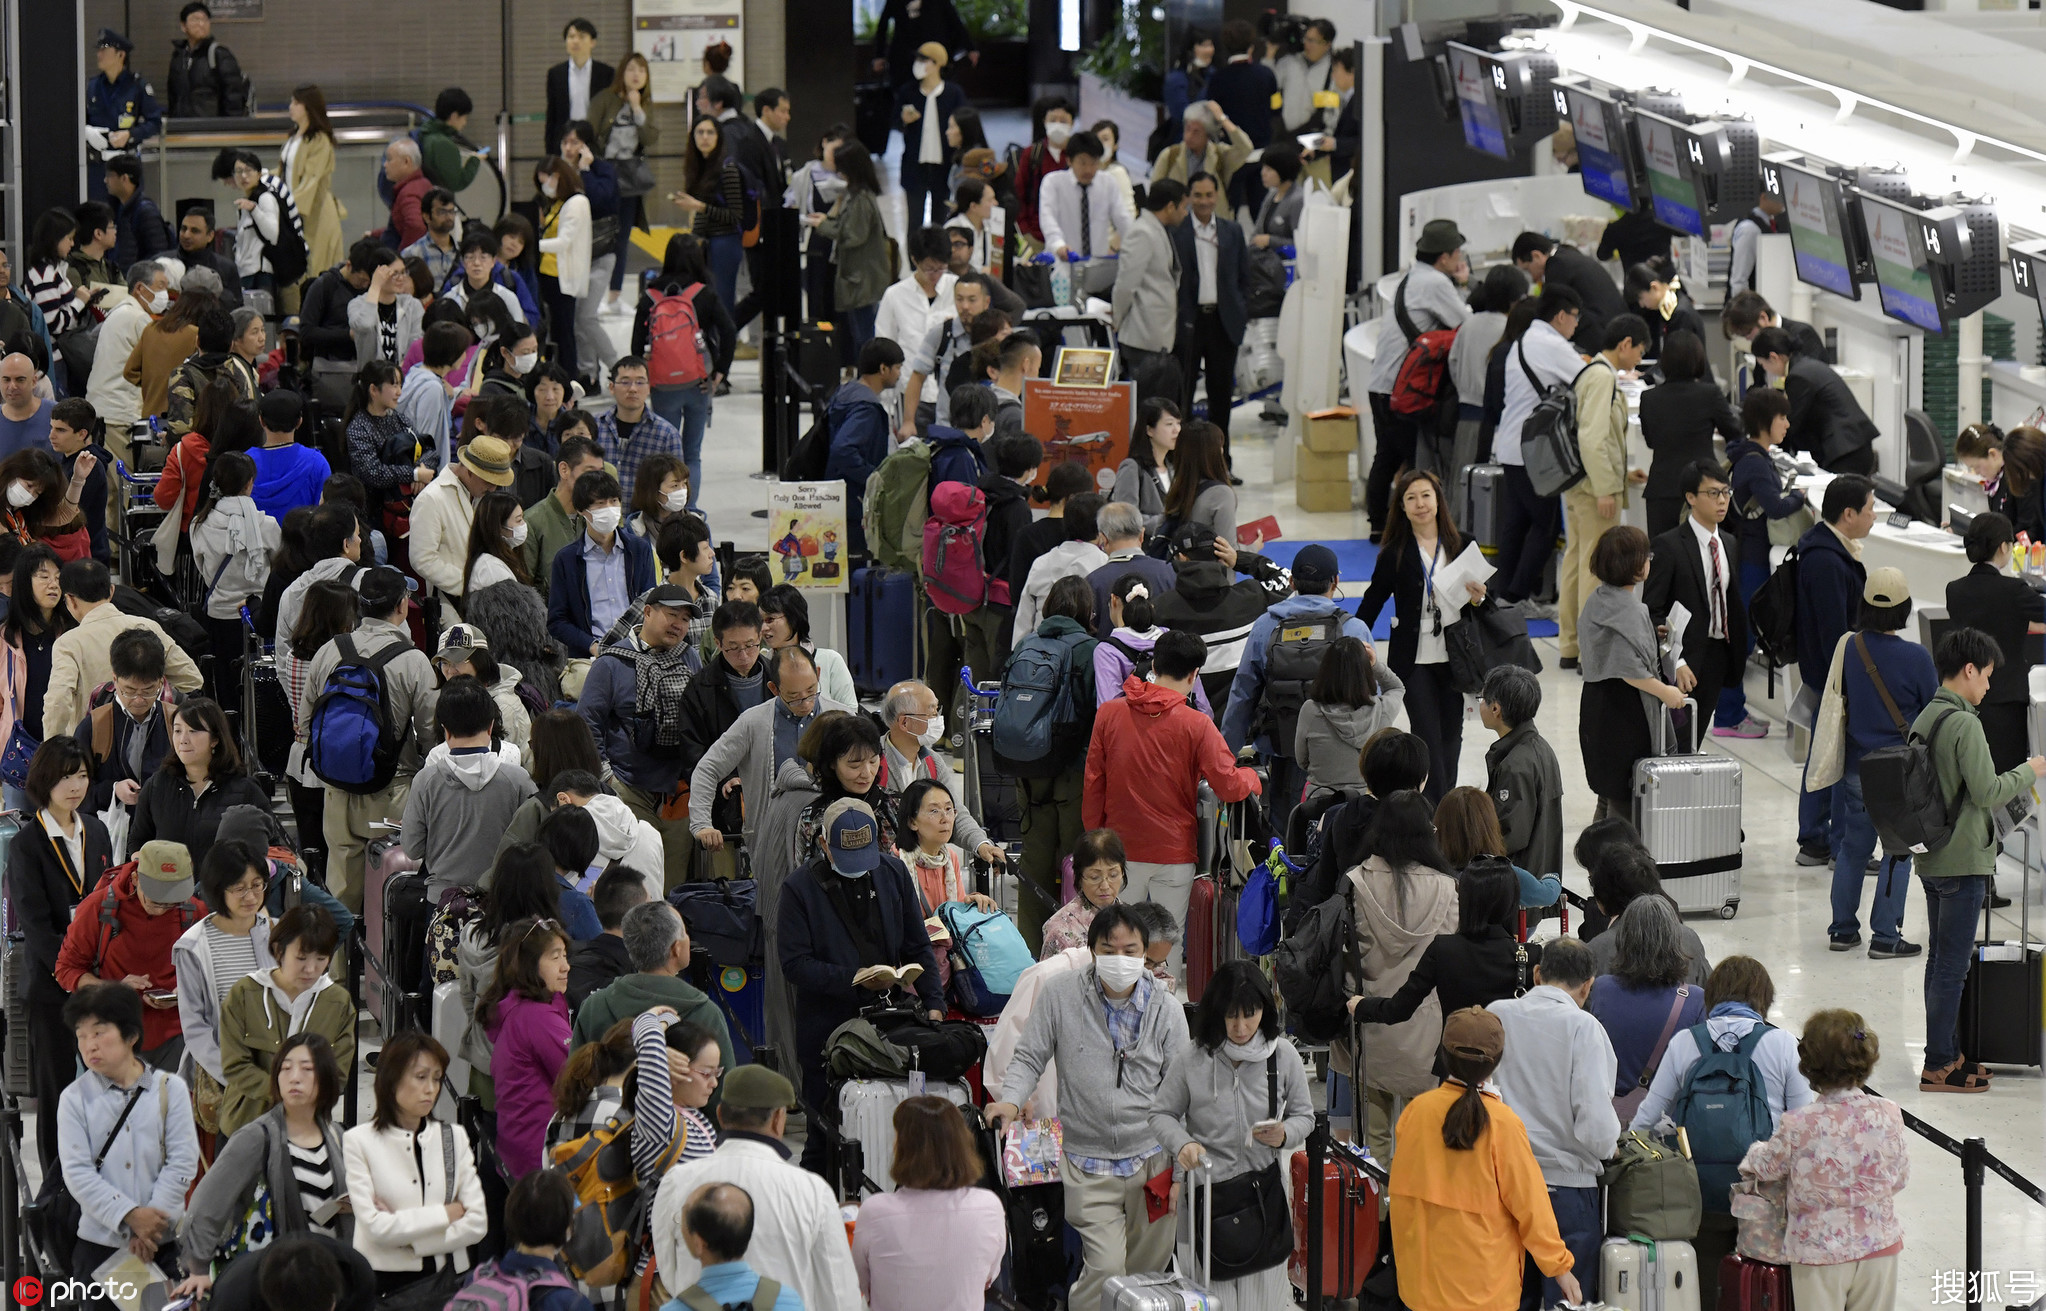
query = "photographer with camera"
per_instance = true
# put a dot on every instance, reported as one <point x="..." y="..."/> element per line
<point x="1306" y="72"/>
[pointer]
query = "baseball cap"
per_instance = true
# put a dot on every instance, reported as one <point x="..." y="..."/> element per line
<point x="1315" y="564"/>
<point x="1474" y="1032"/>
<point x="163" y="872"/>
<point x="854" y="837"/>
<point x="459" y="642"/>
<point x="489" y="458"/>
<point x="1194" y="541"/>
<point x="672" y="594"/>
<point x="757" y="1088"/>
<point x="1886" y="586"/>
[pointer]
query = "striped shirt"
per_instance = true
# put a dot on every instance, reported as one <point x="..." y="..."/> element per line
<point x="314" y="1173"/>
<point x="49" y="286"/>
<point x="232" y="958"/>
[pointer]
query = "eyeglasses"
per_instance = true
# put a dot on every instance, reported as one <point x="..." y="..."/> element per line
<point x="1716" y="493"/>
<point x="739" y="649"/>
<point x="795" y="702"/>
<point x="538" y="925"/>
<point x="709" y="1074"/>
<point x="1099" y="880"/>
<point x="616" y="383"/>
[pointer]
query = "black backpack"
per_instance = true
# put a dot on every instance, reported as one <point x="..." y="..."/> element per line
<point x="806" y="463"/>
<point x="183" y="629"/>
<point x="1292" y="662"/>
<point x="1307" y="965"/>
<point x="1139" y="657"/>
<point x="1900" y="787"/>
<point x="1772" y="615"/>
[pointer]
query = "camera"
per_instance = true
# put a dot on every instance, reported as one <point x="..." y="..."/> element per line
<point x="1285" y="31"/>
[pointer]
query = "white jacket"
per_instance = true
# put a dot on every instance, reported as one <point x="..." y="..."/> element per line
<point x="441" y="515"/>
<point x="1008" y="1031"/>
<point x="116" y="400"/>
<point x="383" y="1168"/>
<point x="570" y="247"/>
<point x="235" y="539"/>
<point x="624" y="838"/>
<point x="1066" y="560"/>
<point x="798" y="1233"/>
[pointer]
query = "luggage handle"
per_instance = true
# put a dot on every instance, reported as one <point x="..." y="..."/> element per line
<point x="1206" y="1250"/>
<point x="1663" y="734"/>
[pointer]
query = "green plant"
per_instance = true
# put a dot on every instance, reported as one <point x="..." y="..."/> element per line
<point x="995" y="20"/>
<point x="1136" y="67"/>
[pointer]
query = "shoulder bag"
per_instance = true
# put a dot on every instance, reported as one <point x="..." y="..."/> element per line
<point x="1625" y="1104"/>
<point x="53" y="1219"/>
<point x="1252" y="1220"/>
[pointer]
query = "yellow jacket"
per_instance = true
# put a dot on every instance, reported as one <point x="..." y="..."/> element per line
<point x="1602" y="430"/>
<point x="1460" y="1220"/>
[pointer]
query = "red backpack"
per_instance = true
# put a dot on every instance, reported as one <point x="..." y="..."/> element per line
<point x="955" y="576"/>
<point x="677" y="353"/>
<point x="1424" y="372"/>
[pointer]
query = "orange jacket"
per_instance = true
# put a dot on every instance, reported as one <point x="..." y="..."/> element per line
<point x="1145" y="764"/>
<point x="1460" y="1220"/>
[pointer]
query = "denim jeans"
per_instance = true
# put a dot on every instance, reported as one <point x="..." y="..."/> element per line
<point x="1814" y="814"/>
<point x="1579" y="1221"/>
<point x="1733" y="698"/>
<point x="688" y="408"/>
<point x="1953" y="907"/>
<point x="726" y="253"/>
<point x="1856" y="834"/>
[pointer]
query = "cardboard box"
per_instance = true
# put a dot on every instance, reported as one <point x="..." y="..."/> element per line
<point x="1327" y="432"/>
<point x="1329" y="496"/>
<point x="1317" y="466"/>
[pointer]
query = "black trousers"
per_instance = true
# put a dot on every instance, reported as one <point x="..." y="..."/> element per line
<point x="919" y="181"/>
<point x="1435" y="709"/>
<point x="1664" y="513"/>
<point x="1394" y="452"/>
<point x="1527" y="535"/>
<point x="53" y="1052"/>
<point x="748" y="307"/>
<point x="1208" y="350"/>
<point x="2003" y="723"/>
<point x="1714" y="665"/>
<point x="226" y="674"/>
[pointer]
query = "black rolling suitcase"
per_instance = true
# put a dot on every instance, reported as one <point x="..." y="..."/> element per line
<point x="2000" y="1021"/>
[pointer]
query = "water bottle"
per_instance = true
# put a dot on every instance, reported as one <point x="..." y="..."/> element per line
<point x="1061" y="282"/>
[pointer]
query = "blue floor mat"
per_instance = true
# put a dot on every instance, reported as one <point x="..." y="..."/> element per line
<point x="1355" y="559"/>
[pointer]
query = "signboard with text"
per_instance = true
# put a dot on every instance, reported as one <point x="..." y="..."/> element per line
<point x="806" y="534"/>
<point x="1087" y="424"/>
<point x="673" y="34"/>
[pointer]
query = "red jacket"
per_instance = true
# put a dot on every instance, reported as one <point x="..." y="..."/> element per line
<point x="1145" y="764"/>
<point x="407" y="220"/>
<point x="142" y="946"/>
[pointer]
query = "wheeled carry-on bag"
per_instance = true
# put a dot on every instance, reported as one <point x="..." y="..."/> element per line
<point x="882" y="629"/>
<point x="866" y="1114"/>
<point x="2000" y="1021"/>
<point x="1687" y="808"/>
<point x="1170" y="1292"/>
<point x="1484" y="491"/>
<point x="1746" y="1284"/>
<point x="395" y="913"/>
<point x="1639" y="1275"/>
<point x="1349" y="1223"/>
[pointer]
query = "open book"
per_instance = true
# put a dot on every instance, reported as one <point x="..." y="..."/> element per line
<point x="895" y="976"/>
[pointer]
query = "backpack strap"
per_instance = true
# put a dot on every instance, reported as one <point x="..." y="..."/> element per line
<point x="109" y="928"/>
<point x="766" y="1293"/>
<point x="1889" y="702"/>
<point x="1272" y="1086"/>
<point x="1408" y="328"/>
<point x="696" y="1299"/>
<point x="1520" y="352"/>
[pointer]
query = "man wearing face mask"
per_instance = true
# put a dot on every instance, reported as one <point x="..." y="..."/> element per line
<point x="444" y="509"/>
<point x="749" y="753"/>
<point x="925" y="105"/>
<point x="113" y="397"/>
<point x="1114" y="1033"/>
<point x="847" y="912"/>
<point x="916" y="720"/>
<point x="594" y="579"/>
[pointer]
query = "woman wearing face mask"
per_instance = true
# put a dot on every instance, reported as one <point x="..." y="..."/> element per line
<point x="498" y="595"/>
<point x="1230" y="1107"/>
<point x="814" y="189"/>
<point x="859" y="242"/>
<point x="270" y="1004"/>
<point x="660" y="491"/>
<point x="43" y="505"/>
<point x="564" y="245"/>
<point x="1100" y="870"/>
<point x="1052" y="116"/>
<point x="685" y="404"/>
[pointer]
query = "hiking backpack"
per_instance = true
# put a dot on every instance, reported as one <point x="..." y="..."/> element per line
<point x="1292" y="663"/>
<point x="1723" y="1108"/>
<point x="1900" y="788"/>
<point x="494" y="1288"/>
<point x="351" y="741"/>
<point x="954" y="571"/>
<point x="677" y="353"/>
<point x="1772" y="615"/>
<point x="1036" y="715"/>
<point x="897" y="507"/>
<point x="1548" y="438"/>
<point x="611" y="1204"/>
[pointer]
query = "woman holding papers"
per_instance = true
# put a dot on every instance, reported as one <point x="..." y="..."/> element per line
<point x="1420" y="550"/>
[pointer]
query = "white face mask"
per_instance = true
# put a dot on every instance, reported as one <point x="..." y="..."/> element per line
<point x="848" y="873"/>
<point x="516" y="535"/>
<point x="1201" y="63"/>
<point x="20" y="495"/>
<point x="1118" y="973"/>
<point x="605" y="520"/>
<point x="920" y="70"/>
<point x="1057" y="133"/>
<point x="933" y="729"/>
<point x="159" y="303"/>
<point x="676" y="501"/>
<point x="524" y="363"/>
<point x="547" y="187"/>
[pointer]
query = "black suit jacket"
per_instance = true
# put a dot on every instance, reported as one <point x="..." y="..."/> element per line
<point x="1232" y="264"/>
<point x="1678" y="575"/>
<point x="1572" y="268"/>
<point x="1677" y="421"/>
<point x="749" y="146"/>
<point x="1825" y="419"/>
<point x="1805" y="339"/>
<point x="557" y="96"/>
<point x="2001" y="606"/>
<point x="1398" y="577"/>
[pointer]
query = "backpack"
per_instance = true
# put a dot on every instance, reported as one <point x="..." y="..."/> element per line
<point x="897" y="506"/>
<point x="889" y="1044"/>
<point x="287" y="255"/>
<point x="1548" y="439"/>
<point x="1036" y="712"/>
<point x="1307" y="966"/>
<point x="611" y="1205"/>
<point x="1723" y="1108"/>
<point x="1772" y="614"/>
<point x="351" y="741"/>
<point x="765" y="1294"/>
<point x="809" y="457"/>
<point x="99" y="713"/>
<point x="1424" y="371"/>
<point x="723" y="918"/>
<point x="988" y="956"/>
<point x="493" y="1288"/>
<point x="1900" y="787"/>
<point x="677" y="353"/>
<point x="182" y="628"/>
<point x="1139" y="657"/>
<point x="954" y="571"/>
<point x="1292" y="662"/>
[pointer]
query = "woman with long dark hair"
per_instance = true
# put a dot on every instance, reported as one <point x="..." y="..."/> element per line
<point x="859" y="241"/>
<point x="1491" y="299"/>
<point x="1518" y="319"/>
<point x="309" y="170"/>
<point x="524" y="1015"/>
<point x="687" y="405"/>
<point x="35" y="620"/>
<point x="1200" y="491"/>
<point x="518" y="252"/>
<point x="199" y="779"/>
<point x="221" y="420"/>
<point x="1353" y="697"/>
<point x="963" y="132"/>
<point x="714" y="192"/>
<point x="1145" y="475"/>
<point x="1478" y="964"/>
<point x="383" y="450"/>
<point x="48" y="281"/>
<point x="42" y="505"/>
<point x="564" y="246"/>
<point x="1467" y="825"/>
<point x="1418" y="541"/>
<point x="523" y="889"/>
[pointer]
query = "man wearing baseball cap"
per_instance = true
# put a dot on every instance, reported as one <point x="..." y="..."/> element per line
<point x="925" y="106"/>
<point x="1427" y="299"/>
<point x="152" y="906"/>
<point x="1280" y="659"/>
<point x="798" y="1233"/>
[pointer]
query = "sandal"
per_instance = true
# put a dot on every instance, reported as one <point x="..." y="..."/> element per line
<point x="1955" y="1078"/>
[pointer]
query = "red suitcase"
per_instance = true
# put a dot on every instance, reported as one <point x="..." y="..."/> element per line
<point x="1746" y="1284"/>
<point x="1349" y="1226"/>
<point x="1200" y="936"/>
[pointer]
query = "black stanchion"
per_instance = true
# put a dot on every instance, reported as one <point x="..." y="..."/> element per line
<point x="10" y="1197"/>
<point x="1974" y="1157"/>
<point x="781" y="301"/>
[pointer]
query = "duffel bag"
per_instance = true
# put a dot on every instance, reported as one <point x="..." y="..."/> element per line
<point x="889" y="1044"/>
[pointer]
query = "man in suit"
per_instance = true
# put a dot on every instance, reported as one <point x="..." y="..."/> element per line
<point x="761" y="150"/>
<point x="1212" y="306"/>
<point x="572" y="82"/>
<point x="1825" y="419"/>
<point x="1695" y="565"/>
<point x="1989" y="598"/>
<point x="1551" y="263"/>
<point x="1747" y="313"/>
<point x="1147" y="286"/>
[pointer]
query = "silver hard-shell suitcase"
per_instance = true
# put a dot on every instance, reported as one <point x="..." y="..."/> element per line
<point x="1687" y="808"/>
<point x="1172" y="1292"/>
<point x="866" y="1114"/>
<point x="1484" y="490"/>
<point x="1644" y="1276"/>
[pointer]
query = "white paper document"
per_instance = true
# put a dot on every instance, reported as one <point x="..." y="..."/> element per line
<point x="1470" y="567"/>
<point x="1678" y="621"/>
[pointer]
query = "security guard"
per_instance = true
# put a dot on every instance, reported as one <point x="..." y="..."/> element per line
<point x="118" y="105"/>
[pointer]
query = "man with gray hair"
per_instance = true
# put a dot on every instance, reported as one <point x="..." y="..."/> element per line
<point x="409" y="185"/>
<point x="1522" y="775"/>
<point x="657" y="944"/>
<point x="115" y="400"/>
<point x="1558" y="1075"/>
<point x="916" y="721"/>
<point x="1121" y="526"/>
<point x="1161" y="939"/>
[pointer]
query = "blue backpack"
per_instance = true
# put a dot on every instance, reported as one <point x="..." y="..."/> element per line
<point x="988" y="956"/>
<point x="1723" y="1108"/>
<point x="351" y="742"/>
<point x="1036" y="714"/>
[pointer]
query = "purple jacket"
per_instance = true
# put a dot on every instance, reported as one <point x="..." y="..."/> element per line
<point x="1111" y="666"/>
<point x="529" y="1045"/>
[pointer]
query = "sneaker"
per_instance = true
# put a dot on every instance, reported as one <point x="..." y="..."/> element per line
<point x="1567" y="662"/>
<point x="1897" y="950"/>
<point x="1750" y="727"/>
<point x="1847" y="943"/>
<point x="1806" y="856"/>
<point x="1538" y="609"/>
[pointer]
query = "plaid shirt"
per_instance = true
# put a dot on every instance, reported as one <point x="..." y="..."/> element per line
<point x="1124" y="1018"/>
<point x="653" y="435"/>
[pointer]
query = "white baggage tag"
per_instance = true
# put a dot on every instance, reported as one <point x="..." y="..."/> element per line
<point x="916" y="1083"/>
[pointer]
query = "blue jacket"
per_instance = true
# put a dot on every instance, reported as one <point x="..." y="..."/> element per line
<point x="1756" y="482"/>
<point x="610" y="695"/>
<point x="568" y="590"/>
<point x="128" y="96"/>
<point x="860" y="440"/>
<point x="288" y="477"/>
<point x="955" y="457"/>
<point x="819" y="957"/>
<point x="141" y="232"/>
<point x="1908" y="673"/>
<point x="1249" y="686"/>
<point x="600" y="186"/>
<point x="1829" y="583"/>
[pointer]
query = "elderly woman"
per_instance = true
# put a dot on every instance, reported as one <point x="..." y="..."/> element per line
<point x="1647" y="999"/>
<point x="1621" y="663"/>
<point x="1099" y="871"/>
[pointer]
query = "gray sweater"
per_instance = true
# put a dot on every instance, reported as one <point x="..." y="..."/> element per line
<point x="1211" y="1100"/>
<point x="1330" y="739"/>
<point x="1103" y="1116"/>
<point x="458" y="807"/>
<point x="1216" y="507"/>
<point x="1138" y="486"/>
<point x="746" y="748"/>
<point x="260" y="1151"/>
<point x="1557" y="1075"/>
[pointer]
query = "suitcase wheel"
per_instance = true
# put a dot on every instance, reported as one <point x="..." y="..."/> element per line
<point x="1730" y="909"/>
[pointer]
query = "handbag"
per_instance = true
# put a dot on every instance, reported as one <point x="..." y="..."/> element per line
<point x="1761" y="1210"/>
<point x="1652" y="1191"/>
<point x="1252" y="1224"/>
<point x="1827" y="758"/>
<point x="53" y="1219"/>
<point x="21" y="748"/>
<point x="635" y="175"/>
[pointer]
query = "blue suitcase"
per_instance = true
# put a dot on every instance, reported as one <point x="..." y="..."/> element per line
<point x="881" y="618"/>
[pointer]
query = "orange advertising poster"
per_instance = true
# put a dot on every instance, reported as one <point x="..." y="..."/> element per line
<point x="1088" y="424"/>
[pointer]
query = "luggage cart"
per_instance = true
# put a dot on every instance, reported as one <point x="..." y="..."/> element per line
<point x="135" y="519"/>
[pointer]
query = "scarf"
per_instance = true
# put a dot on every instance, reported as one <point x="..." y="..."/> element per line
<point x="1254" y="1051"/>
<point x="659" y="679"/>
<point x="942" y="861"/>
